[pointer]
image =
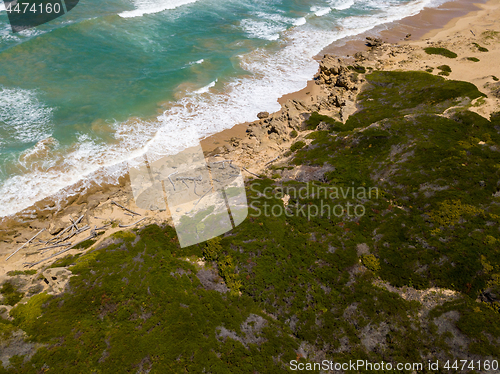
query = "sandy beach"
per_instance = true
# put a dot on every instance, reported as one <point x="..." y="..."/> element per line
<point x="455" y="26"/>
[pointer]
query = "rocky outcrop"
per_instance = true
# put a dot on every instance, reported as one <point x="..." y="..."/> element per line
<point x="278" y="126"/>
<point x="374" y="42"/>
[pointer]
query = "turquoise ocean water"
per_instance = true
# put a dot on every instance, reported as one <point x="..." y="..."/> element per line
<point x="112" y="80"/>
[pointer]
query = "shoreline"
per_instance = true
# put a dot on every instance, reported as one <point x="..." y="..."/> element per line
<point x="248" y="143"/>
<point x="421" y="26"/>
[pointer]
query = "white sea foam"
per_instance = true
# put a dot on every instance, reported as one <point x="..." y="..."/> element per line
<point x="197" y="115"/>
<point x="262" y="29"/>
<point x="300" y="21"/>
<point x="269" y="25"/>
<point x="2" y="7"/>
<point x="320" y="11"/>
<point x="341" y="4"/>
<point x="206" y="88"/>
<point x="22" y="116"/>
<point x="153" y="6"/>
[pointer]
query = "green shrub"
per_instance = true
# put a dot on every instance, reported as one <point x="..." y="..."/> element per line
<point x="444" y="68"/>
<point x="440" y="51"/>
<point x="297" y="145"/>
<point x="294" y="134"/>
<point x="25" y="315"/>
<point x="21" y="272"/>
<point x="496" y="79"/>
<point x="127" y="236"/>
<point x="449" y="213"/>
<point x="371" y="262"/>
<point x="227" y="272"/>
<point x="6" y="329"/>
<point x="358" y="69"/>
<point x="480" y="49"/>
<point x="86" y="244"/>
<point x="10" y="295"/>
<point x="315" y="119"/>
<point x="429" y="70"/>
<point x="212" y="249"/>
<point x="490" y="34"/>
<point x="473" y="59"/>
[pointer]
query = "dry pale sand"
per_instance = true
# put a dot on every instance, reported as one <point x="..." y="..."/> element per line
<point x="456" y="35"/>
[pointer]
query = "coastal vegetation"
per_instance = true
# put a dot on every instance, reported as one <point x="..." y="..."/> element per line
<point x="440" y="51"/>
<point x="303" y="286"/>
<point x="444" y="70"/>
<point x="480" y="48"/>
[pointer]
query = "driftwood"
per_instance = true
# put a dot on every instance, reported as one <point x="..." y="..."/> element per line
<point x="248" y="171"/>
<point x="170" y="179"/>
<point x="79" y="231"/>
<point x="43" y="250"/>
<point x="102" y="227"/>
<point x="93" y="235"/>
<point x="74" y="223"/>
<point x="132" y="224"/>
<point x="127" y="209"/>
<point x="66" y="229"/>
<point x="28" y="242"/>
<point x="270" y="162"/>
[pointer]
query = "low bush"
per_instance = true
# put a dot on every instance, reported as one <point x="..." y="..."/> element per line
<point x="440" y="51"/>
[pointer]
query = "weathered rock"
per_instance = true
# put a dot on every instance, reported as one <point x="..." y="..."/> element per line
<point x="374" y="42"/>
<point x="56" y="227"/>
<point x="262" y="115"/>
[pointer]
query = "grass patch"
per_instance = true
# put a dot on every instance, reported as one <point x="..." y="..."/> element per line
<point x="473" y="59"/>
<point x="440" y="51"/>
<point x="315" y="119"/>
<point x="479" y="48"/>
<point x="490" y="34"/>
<point x="358" y="69"/>
<point x="444" y="70"/>
<point x="297" y="145"/>
<point x="21" y="272"/>
<point x="10" y="295"/>
<point x="86" y="244"/>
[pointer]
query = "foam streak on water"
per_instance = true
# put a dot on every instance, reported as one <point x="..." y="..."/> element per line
<point x="151" y="6"/>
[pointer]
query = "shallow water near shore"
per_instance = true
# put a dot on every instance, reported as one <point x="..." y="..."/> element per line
<point x="107" y="82"/>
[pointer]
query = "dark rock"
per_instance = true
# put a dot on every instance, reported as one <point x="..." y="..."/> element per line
<point x="262" y="115"/>
<point x="374" y="42"/>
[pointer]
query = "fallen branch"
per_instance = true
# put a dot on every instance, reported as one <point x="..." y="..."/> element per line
<point x="66" y="229"/>
<point x="248" y="171"/>
<point x="102" y="227"/>
<point x="74" y="223"/>
<point x="79" y="231"/>
<point x="93" y="235"/>
<point x="28" y="242"/>
<point x="274" y="159"/>
<point x="132" y="224"/>
<point x="43" y="250"/>
<point x="127" y="209"/>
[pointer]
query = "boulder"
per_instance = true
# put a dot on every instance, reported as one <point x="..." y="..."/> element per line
<point x="262" y="115"/>
<point x="374" y="42"/>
